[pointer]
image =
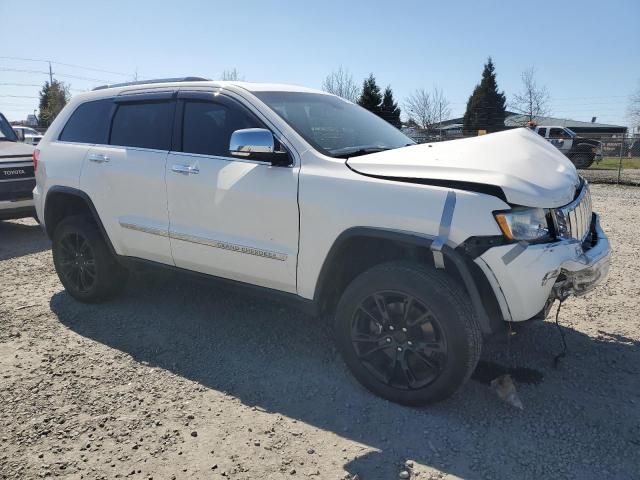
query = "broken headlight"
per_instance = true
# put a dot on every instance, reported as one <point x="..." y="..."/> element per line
<point x="528" y="224"/>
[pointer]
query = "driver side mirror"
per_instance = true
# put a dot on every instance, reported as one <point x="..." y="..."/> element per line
<point x="257" y="144"/>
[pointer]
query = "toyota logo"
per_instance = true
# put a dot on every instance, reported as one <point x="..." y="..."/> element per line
<point x="17" y="171"/>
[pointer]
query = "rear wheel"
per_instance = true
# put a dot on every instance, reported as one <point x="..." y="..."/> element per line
<point x="408" y="333"/>
<point x="84" y="264"/>
<point x="582" y="160"/>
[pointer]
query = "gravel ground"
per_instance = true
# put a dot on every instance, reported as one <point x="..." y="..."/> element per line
<point x="176" y="379"/>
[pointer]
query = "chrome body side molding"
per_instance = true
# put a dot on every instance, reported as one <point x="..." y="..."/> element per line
<point x="234" y="247"/>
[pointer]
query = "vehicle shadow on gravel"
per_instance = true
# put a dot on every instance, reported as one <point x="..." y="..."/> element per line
<point x="283" y="361"/>
<point x="21" y="238"/>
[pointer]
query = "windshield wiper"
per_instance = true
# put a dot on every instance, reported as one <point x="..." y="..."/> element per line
<point x="360" y="151"/>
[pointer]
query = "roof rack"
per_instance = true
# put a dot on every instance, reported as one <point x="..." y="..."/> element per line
<point x="157" y="80"/>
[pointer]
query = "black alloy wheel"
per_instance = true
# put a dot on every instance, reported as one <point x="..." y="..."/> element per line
<point x="399" y="340"/>
<point x="86" y="266"/>
<point x="77" y="262"/>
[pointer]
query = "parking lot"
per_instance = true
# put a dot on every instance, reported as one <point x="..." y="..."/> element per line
<point x="179" y="379"/>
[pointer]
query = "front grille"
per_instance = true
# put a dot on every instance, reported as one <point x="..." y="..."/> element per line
<point x="573" y="221"/>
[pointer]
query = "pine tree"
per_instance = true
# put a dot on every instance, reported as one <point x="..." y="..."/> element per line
<point x="53" y="97"/>
<point x="389" y="108"/>
<point x="370" y="97"/>
<point x="486" y="106"/>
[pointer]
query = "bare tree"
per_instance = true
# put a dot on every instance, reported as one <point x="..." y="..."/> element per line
<point x="633" y="110"/>
<point x="231" y="75"/>
<point x="533" y="100"/>
<point x="420" y="109"/>
<point x="427" y="109"/>
<point x="340" y="83"/>
<point x="441" y="106"/>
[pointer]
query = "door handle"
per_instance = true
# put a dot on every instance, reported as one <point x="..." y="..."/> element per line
<point x="98" y="158"/>
<point x="185" y="169"/>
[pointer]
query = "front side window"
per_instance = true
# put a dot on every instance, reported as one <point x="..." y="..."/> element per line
<point x="89" y="123"/>
<point x="334" y="126"/>
<point x="558" y="133"/>
<point x="143" y="125"/>
<point x="207" y="126"/>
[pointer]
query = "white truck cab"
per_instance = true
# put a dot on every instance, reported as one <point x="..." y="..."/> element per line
<point x="581" y="151"/>
<point x="418" y="251"/>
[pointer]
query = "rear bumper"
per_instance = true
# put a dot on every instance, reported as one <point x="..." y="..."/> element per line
<point x="12" y="209"/>
<point x="524" y="284"/>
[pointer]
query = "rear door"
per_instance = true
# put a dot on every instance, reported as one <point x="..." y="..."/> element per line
<point x="125" y="177"/>
<point x="229" y="217"/>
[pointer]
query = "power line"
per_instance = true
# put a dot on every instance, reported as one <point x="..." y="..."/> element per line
<point x="36" y="85"/>
<point x="66" y="75"/>
<point x="18" y="96"/>
<point x="20" y="84"/>
<point x="66" y="65"/>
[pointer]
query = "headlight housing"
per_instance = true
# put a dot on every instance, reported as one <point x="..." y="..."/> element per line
<point x="528" y="224"/>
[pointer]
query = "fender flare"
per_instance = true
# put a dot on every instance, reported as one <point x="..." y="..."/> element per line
<point x="64" y="190"/>
<point x="452" y="257"/>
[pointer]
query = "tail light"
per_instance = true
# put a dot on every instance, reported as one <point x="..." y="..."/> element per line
<point x="36" y="156"/>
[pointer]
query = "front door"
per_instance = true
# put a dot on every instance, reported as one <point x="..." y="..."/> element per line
<point x="229" y="217"/>
<point x="561" y="139"/>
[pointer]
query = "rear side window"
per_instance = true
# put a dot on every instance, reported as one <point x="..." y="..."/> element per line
<point x="542" y="132"/>
<point x="207" y="127"/>
<point x="88" y="123"/>
<point x="142" y="125"/>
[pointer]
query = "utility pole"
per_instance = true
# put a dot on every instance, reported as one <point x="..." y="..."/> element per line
<point x="50" y="75"/>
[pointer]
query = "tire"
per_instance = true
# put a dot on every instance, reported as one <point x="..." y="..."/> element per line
<point x="412" y="356"/>
<point x="582" y="160"/>
<point x="85" y="266"/>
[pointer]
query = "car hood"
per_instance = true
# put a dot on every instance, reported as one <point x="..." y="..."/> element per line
<point x="528" y="169"/>
<point x="12" y="151"/>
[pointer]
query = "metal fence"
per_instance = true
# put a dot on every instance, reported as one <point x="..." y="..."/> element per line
<point x="619" y="162"/>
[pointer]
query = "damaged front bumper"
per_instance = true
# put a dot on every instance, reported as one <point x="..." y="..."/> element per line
<point x="581" y="275"/>
<point x="526" y="284"/>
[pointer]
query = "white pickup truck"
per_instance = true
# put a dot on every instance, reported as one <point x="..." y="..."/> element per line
<point x="417" y="251"/>
<point x="16" y="175"/>
<point x="581" y="151"/>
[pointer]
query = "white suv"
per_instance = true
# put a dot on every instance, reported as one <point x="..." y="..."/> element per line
<point x="418" y="251"/>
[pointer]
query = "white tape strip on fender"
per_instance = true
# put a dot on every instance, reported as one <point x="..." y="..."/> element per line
<point x="515" y="252"/>
<point x="445" y="228"/>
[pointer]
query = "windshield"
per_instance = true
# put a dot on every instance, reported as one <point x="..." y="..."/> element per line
<point x="6" y="132"/>
<point x="570" y="132"/>
<point x="334" y="126"/>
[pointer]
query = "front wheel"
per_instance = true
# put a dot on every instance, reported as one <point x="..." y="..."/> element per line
<point x="408" y="333"/>
<point x="582" y="160"/>
<point x="84" y="264"/>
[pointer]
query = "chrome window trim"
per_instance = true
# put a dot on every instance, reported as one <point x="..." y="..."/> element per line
<point x="218" y="157"/>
